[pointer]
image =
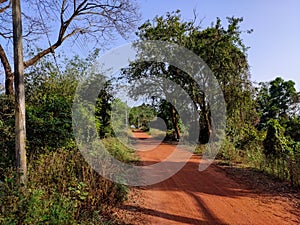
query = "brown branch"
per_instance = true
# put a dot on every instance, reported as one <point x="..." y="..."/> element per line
<point x="62" y="12"/>
<point x="41" y="54"/>
<point x="74" y="5"/>
<point x="51" y="49"/>
<point x="9" y="80"/>
<point x="5" y="7"/>
<point x="61" y="37"/>
<point x="78" y="9"/>
<point x="70" y="34"/>
<point x="6" y="35"/>
<point x="4" y="60"/>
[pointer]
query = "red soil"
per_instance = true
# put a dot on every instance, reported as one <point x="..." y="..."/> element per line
<point x="207" y="197"/>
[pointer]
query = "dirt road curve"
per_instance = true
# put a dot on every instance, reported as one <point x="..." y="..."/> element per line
<point x="209" y="197"/>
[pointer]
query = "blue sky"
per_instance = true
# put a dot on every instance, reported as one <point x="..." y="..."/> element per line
<point x="274" y="44"/>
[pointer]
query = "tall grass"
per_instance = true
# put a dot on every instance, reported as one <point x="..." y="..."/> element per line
<point x="286" y="168"/>
<point x="63" y="189"/>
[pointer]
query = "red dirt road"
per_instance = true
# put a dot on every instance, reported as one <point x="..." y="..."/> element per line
<point x="208" y="197"/>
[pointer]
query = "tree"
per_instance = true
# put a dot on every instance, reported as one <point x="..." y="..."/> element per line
<point x="103" y="111"/>
<point x="276" y="104"/>
<point x="221" y="49"/>
<point x="96" y="18"/>
<point x="49" y="98"/>
<point x="165" y="111"/>
<point x="97" y="21"/>
<point x="140" y="116"/>
<point x="275" y="100"/>
<point x="292" y="128"/>
<point x="20" y="127"/>
<point x="275" y="143"/>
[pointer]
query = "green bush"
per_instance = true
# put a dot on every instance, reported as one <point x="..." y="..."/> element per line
<point x="281" y="153"/>
<point x="49" y="123"/>
<point x="119" y="151"/>
<point x="7" y="133"/>
<point x="34" y="205"/>
<point x="63" y="189"/>
<point x="229" y="152"/>
<point x="294" y="164"/>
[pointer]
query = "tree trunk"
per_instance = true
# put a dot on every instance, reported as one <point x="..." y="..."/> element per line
<point x="19" y="92"/>
<point x="205" y="129"/>
<point x="175" y="121"/>
<point x="9" y="84"/>
<point x="208" y="124"/>
<point x="9" y="76"/>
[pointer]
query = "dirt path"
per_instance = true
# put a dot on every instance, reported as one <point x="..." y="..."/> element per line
<point x="208" y="197"/>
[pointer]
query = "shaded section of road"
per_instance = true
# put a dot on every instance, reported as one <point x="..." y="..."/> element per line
<point x="207" y="197"/>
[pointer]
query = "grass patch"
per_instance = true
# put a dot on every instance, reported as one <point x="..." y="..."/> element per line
<point x="157" y="134"/>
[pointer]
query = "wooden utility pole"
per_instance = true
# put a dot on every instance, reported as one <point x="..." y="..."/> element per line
<point x="20" y="128"/>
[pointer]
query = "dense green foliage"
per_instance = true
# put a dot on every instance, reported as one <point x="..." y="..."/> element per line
<point x="275" y="100"/>
<point x="277" y="103"/>
<point x="262" y="123"/>
<point x="141" y="116"/>
<point x="222" y="50"/>
<point x="102" y="113"/>
<point x="62" y="188"/>
<point x="7" y="135"/>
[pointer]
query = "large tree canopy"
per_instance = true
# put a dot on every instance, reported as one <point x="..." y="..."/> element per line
<point x="276" y="100"/>
<point x="222" y="50"/>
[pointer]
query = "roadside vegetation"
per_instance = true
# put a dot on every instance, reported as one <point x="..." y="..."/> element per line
<point x="262" y="128"/>
<point x="263" y="119"/>
<point x="62" y="188"/>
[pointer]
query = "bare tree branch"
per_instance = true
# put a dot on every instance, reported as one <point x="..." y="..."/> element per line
<point x="9" y="80"/>
<point x="5" y="7"/>
<point x="94" y="20"/>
